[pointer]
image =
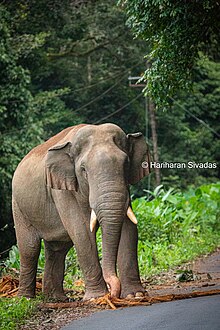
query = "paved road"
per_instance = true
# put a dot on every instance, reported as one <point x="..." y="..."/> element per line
<point x="201" y="313"/>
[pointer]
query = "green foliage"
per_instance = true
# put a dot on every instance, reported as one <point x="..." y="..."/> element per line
<point x="27" y="117"/>
<point x="13" y="311"/>
<point x="92" y="54"/>
<point x="13" y="260"/>
<point x="15" y="100"/>
<point x="190" y="130"/>
<point x="176" y="32"/>
<point x="176" y="227"/>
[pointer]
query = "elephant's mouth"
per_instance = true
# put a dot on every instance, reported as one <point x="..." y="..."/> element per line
<point x="93" y="218"/>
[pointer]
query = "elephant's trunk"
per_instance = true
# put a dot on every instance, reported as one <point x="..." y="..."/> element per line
<point x="111" y="233"/>
<point x="111" y="210"/>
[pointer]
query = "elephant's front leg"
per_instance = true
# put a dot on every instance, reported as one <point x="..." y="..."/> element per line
<point x="87" y="255"/>
<point x="128" y="263"/>
<point x="76" y="224"/>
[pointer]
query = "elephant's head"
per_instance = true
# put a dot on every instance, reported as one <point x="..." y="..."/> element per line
<point x="99" y="163"/>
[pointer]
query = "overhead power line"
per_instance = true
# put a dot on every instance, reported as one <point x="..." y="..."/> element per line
<point x="101" y="81"/>
<point x="197" y="119"/>
<point x="124" y="74"/>
<point x="108" y="90"/>
<point x="118" y="110"/>
<point x="99" y="96"/>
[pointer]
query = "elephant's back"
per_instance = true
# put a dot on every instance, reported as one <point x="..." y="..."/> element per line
<point x="30" y="171"/>
<point x="41" y="150"/>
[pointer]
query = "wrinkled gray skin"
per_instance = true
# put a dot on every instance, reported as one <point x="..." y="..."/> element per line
<point x="54" y="189"/>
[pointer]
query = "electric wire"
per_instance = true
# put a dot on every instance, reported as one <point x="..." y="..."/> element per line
<point x="99" y="96"/>
<point x="101" y="81"/>
<point x="202" y="122"/>
<point x="125" y="72"/>
<point x="118" y="110"/>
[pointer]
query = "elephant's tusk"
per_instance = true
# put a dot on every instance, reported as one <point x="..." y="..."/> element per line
<point x="131" y="215"/>
<point x="93" y="220"/>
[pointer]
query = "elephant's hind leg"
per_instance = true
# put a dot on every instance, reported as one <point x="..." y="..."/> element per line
<point x="55" y="253"/>
<point x="29" y="248"/>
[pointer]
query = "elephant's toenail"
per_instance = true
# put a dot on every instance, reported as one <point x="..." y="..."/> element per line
<point x="139" y="294"/>
<point x="130" y="296"/>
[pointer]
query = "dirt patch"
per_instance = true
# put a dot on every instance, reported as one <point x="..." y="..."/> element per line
<point x="202" y="273"/>
<point x="53" y="319"/>
<point x="210" y="265"/>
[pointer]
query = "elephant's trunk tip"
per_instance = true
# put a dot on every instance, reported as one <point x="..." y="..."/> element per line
<point x="114" y="285"/>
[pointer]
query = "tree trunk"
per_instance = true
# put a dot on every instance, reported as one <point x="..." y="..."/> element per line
<point x="151" y="109"/>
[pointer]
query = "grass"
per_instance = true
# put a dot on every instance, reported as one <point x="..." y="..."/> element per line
<point x="13" y="311"/>
<point x="174" y="227"/>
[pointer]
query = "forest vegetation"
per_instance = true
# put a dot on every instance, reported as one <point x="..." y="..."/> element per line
<point x="68" y="62"/>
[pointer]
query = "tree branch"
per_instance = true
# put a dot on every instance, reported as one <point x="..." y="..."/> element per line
<point x="70" y="52"/>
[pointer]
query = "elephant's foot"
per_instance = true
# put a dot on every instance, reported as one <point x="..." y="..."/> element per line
<point x="26" y="294"/>
<point x="135" y="295"/>
<point x="56" y="296"/>
<point x="54" y="293"/>
<point x="92" y="294"/>
<point x="131" y="291"/>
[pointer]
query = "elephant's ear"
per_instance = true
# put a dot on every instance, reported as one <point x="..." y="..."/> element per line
<point x="60" y="172"/>
<point x="139" y="157"/>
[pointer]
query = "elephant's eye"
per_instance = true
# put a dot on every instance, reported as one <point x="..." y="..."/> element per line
<point x="120" y="143"/>
<point x="82" y="167"/>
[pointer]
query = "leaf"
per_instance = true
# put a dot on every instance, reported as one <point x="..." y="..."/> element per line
<point x="167" y="194"/>
<point x="172" y="199"/>
<point x="198" y="192"/>
<point x="158" y="190"/>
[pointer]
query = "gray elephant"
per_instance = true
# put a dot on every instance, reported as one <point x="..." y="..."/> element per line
<point x="63" y="190"/>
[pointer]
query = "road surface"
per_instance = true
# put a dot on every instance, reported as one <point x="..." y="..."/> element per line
<point x="201" y="313"/>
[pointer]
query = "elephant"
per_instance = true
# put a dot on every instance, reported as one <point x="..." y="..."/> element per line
<point x="62" y="191"/>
